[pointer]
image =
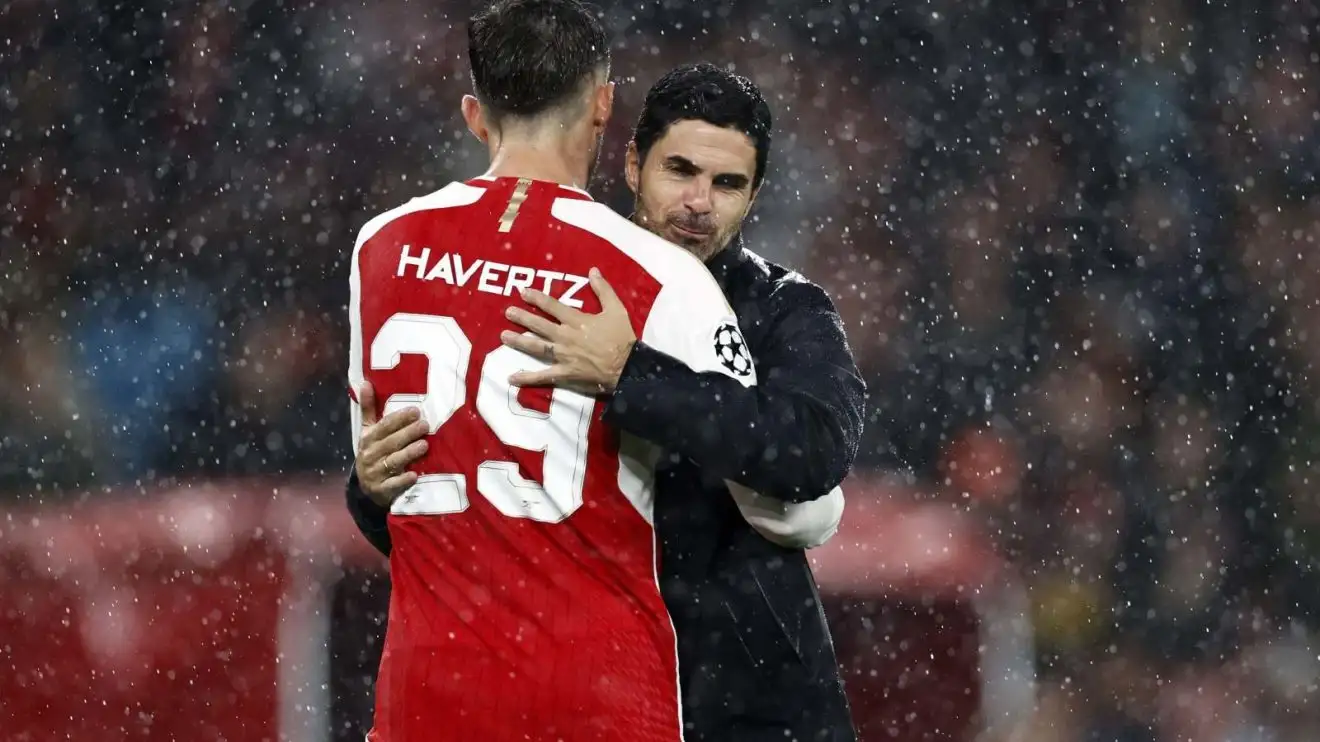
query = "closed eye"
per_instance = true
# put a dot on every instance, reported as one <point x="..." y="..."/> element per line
<point x="723" y="181"/>
<point x="731" y="181"/>
<point x="681" y="165"/>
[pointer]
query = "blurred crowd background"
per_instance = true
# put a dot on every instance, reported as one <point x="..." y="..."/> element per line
<point x="1074" y="243"/>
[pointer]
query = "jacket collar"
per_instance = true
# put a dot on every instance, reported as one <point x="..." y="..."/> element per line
<point x="723" y="263"/>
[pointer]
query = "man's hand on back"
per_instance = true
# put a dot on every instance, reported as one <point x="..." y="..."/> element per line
<point x="387" y="447"/>
<point x="586" y="352"/>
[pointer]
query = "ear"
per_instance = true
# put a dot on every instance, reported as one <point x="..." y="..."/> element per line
<point x="632" y="167"/>
<point x="475" y="118"/>
<point x="602" y="105"/>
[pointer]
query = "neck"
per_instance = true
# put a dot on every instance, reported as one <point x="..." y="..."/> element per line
<point x="547" y="161"/>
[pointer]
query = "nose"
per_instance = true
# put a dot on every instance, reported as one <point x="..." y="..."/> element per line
<point x="697" y="197"/>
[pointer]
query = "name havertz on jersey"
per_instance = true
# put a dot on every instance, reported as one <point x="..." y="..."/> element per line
<point x="491" y="277"/>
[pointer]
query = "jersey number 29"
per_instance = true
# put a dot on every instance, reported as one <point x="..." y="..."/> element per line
<point x="561" y="434"/>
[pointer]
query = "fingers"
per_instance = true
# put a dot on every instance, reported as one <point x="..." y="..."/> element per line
<point x="604" y="291"/>
<point x="392" y="447"/>
<point x="536" y="323"/>
<point x="396" y="462"/>
<point x="533" y="346"/>
<point x="382" y="469"/>
<point x="551" y="306"/>
<point x="394" y="486"/>
<point x="544" y="377"/>
<point x="388" y="491"/>
<point x="390" y="424"/>
<point x="366" y="395"/>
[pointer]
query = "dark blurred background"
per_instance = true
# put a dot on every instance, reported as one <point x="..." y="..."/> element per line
<point x="1074" y="243"/>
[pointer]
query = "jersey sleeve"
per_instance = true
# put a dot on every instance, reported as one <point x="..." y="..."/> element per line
<point x="356" y="374"/>
<point x="693" y="322"/>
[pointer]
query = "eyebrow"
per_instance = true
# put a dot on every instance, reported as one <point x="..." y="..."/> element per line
<point x="688" y="167"/>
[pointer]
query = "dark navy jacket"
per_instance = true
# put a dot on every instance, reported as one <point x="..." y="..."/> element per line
<point x="755" y="657"/>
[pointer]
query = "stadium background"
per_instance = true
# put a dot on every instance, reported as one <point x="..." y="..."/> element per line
<point x="1074" y="243"/>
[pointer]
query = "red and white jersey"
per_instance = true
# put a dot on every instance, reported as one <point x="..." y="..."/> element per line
<point x="525" y="604"/>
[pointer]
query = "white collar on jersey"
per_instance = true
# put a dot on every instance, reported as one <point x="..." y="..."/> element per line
<point x="490" y="179"/>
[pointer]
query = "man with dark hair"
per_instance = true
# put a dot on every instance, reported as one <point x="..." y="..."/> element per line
<point x="698" y="104"/>
<point x="524" y="603"/>
<point x="752" y="474"/>
<point x="505" y="35"/>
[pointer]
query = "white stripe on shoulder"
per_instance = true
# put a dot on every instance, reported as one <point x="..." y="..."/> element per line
<point x="666" y="262"/>
<point x="452" y="195"/>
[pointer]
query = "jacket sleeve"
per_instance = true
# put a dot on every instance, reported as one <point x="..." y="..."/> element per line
<point x="371" y="519"/>
<point x="793" y="436"/>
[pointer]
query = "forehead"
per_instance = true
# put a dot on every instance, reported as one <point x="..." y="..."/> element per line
<point x="711" y="148"/>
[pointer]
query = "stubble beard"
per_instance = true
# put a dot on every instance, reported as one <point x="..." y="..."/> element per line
<point x="703" y="250"/>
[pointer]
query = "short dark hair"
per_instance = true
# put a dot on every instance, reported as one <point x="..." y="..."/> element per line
<point x="529" y="56"/>
<point x="704" y="92"/>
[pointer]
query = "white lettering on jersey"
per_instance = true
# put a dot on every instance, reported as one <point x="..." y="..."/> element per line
<point x="568" y="297"/>
<point x="492" y="277"/>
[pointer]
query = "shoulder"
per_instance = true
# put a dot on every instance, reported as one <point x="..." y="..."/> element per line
<point x="451" y="196"/>
<point x="682" y="278"/>
<point x="662" y="259"/>
<point x="792" y="314"/>
<point x="784" y="290"/>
